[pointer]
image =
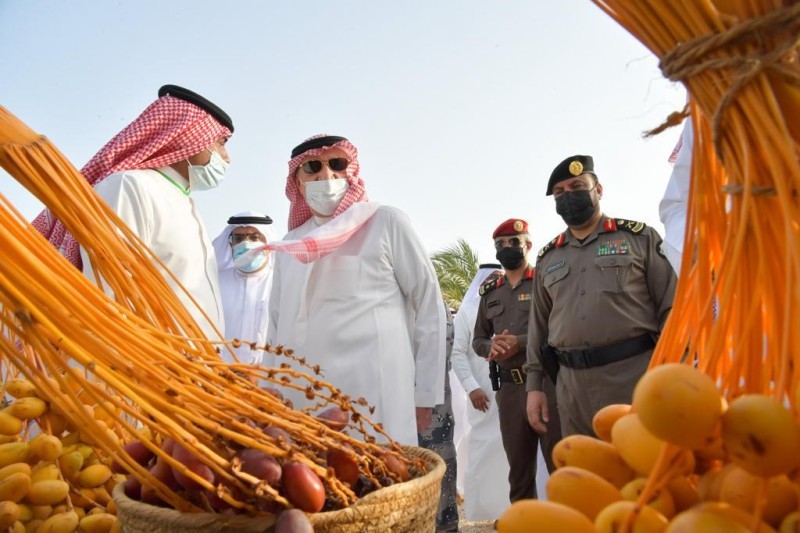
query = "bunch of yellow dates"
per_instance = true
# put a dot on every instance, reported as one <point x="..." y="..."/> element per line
<point x="51" y="477"/>
<point x="680" y="459"/>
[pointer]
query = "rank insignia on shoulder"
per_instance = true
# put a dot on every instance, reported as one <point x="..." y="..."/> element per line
<point x="491" y="283"/>
<point x="558" y="242"/>
<point x="524" y="297"/>
<point x="631" y="226"/>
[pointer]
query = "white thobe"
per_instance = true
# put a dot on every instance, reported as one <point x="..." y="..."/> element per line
<point x="245" y="300"/>
<point x="674" y="205"/>
<point x="156" y="205"/>
<point x="370" y="314"/>
<point x="486" y="466"/>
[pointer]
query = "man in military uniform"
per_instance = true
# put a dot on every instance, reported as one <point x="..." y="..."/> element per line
<point x="602" y="293"/>
<point x="501" y="335"/>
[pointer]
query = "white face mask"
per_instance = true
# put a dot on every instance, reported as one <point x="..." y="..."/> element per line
<point x="208" y="176"/>
<point x="324" y="196"/>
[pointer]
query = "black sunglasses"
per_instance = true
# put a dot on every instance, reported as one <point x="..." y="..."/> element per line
<point x="337" y="164"/>
<point x="513" y="242"/>
<point x="236" y="238"/>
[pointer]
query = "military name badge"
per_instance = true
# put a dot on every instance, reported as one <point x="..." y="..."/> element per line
<point x="518" y="225"/>
<point x="554" y="266"/>
<point x="576" y="168"/>
<point x="524" y="297"/>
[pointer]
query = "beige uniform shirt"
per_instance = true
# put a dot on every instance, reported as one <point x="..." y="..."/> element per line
<point x="504" y="307"/>
<point x="613" y="286"/>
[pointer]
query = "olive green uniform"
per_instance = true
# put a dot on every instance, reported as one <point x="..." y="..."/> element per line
<point x="504" y="307"/>
<point x="601" y="304"/>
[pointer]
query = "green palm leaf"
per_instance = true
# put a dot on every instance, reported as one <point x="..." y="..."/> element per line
<point x="455" y="267"/>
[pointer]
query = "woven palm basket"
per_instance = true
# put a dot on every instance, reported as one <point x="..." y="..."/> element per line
<point x="408" y="507"/>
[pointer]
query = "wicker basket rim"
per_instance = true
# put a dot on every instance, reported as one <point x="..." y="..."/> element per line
<point x="390" y="493"/>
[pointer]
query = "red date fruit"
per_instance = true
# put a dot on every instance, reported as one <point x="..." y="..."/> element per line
<point x="133" y="488"/>
<point x="277" y="433"/>
<point x="273" y="391"/>
<point x="334" y="417"/>
<point x="260" y="464"/>
<point x="303" y="487"/>
<point x="162" y="471"/>
<point x="138" y="452"/>
<point x="396" y="466"/>
<point x="293" y="521"/>
<point x="185" y="457"/>
<point x="344" y="465"/>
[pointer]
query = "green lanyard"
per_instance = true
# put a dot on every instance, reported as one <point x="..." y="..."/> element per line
<point x="180" y="187"/>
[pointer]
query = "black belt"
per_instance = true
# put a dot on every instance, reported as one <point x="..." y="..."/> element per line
<point x="593" y="357"/>
<point x="511" y="375"/>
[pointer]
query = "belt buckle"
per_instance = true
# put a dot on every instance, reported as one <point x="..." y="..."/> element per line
<point x="516" y="376"/>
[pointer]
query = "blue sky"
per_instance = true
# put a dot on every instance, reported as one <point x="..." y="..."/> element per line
<point x="460" y="110"/>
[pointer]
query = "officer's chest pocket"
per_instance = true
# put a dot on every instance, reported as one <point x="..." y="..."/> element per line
<point x="338" y="278"/>
<point x="551" y="279"/>
<point x="494" y="309"/>
<point x="613" y="271"/>
<point x="524" y="303"/>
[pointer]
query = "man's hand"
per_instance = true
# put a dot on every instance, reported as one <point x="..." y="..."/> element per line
<point x="424" y="418"/>
<point x="504" y="346"/>
<point x="538" y="415"/>
<point x="479" y="400"/>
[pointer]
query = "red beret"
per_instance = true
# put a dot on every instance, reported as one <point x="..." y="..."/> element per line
<point x="512" y="226"/>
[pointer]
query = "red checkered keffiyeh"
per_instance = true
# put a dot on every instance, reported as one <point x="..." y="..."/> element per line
<point x="168" y="131"/>
<point x="298" y="208"/>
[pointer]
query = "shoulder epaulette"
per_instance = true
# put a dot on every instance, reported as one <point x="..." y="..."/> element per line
<point x="558" y="242"/>
<point x="530" y="272"/>
<point x="631" y="226"/>
<point x="491" y="283"/>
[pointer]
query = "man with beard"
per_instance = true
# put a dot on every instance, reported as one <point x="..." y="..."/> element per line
<point x="245" y="287"/>
<point x="602" y="293"/>
<point x="501" y="334"/>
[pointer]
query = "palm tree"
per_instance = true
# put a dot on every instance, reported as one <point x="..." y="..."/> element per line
<point x="455" y="267"/>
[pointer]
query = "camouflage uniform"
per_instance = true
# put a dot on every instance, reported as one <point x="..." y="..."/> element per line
<point x="439" y="438"/>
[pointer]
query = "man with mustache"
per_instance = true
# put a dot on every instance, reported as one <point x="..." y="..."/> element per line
<point x="602" y="293"/>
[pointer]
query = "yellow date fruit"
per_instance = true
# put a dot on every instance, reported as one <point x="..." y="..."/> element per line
<point x="679" y="404"/>
<point x="594" y="455"/>
<point x="582" y="490"/>
<point x="761" y="435"/>
<point x="525" y="516"/>
<point x="612" y="518"/>
<point x="605" y="418"/>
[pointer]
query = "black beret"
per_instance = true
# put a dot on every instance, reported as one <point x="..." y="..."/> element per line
<point x="194" y="98"/>
<point x="319" y="142"/>
<point x="569" y="168"/>
<point x="249" y="220"/>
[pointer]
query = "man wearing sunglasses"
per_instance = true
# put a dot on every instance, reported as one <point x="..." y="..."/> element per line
<point x="356" y="293"/>
<point x="602" y="293"/>
<point x="245" y="286"/>
<point x="501" y="336"/>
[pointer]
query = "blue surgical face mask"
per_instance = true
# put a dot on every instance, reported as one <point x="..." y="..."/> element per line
<point x="256" y="262"/>
<point x="208" y="176"/>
